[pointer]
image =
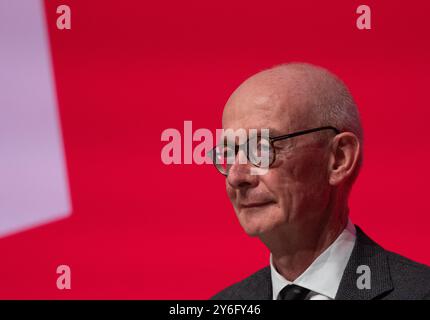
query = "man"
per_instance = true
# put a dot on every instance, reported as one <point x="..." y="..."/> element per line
<point x="299" y="207"/>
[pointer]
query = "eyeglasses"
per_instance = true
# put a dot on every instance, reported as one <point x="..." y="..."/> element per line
<point x="256" y="148"/>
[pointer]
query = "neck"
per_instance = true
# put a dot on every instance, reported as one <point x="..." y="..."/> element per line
<point x="295" y="246"/>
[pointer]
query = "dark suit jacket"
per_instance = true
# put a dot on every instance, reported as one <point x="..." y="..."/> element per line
<point x="392" y="277"/>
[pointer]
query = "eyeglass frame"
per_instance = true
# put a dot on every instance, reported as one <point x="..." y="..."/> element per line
<point x="278" y="138"/>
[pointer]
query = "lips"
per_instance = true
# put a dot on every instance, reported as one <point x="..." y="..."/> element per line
<point x="256" y="204"/>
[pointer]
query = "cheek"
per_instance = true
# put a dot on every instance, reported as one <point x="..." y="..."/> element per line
<point x="298" y="180"/>
<point x="309" y="169"/>
<point x="309" y="184"/>
<point x="278" y="184"/>
<point x="230" y="192"/>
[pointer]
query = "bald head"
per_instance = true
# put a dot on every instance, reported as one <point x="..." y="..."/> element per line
<point x="302" y="94"/>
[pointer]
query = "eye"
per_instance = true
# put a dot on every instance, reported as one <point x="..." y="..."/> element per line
<point x="229" y="154"/>
<point x="261" y="152"/>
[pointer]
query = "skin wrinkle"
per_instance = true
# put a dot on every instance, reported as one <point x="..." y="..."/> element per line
<point x="306" y="188"/>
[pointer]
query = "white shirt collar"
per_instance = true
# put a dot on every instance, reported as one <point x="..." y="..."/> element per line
<point x="323" y="276"/>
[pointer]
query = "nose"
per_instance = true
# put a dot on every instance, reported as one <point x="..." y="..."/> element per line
<point x="239" y="175"/>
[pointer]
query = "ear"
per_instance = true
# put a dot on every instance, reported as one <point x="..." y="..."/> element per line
<point x="344" y="157"/>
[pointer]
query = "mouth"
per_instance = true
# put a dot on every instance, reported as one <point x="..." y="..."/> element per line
<point x="256" y="204"/>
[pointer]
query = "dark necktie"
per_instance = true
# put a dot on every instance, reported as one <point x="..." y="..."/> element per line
<point x="293" y="292"/>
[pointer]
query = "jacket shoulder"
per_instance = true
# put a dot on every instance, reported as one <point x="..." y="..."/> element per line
<point x="403" y="278"/>
<point x="255" y="287"/>
<point x="409" y="277"/>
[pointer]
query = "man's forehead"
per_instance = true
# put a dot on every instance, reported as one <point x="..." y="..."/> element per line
<point x="255" y="115"/>
<point x="263" y="103"/>
<point x="253" y="106"/>
<point x="270" y="117"/>
<point x="251" y="131"/>
<point x="240" y="135"/>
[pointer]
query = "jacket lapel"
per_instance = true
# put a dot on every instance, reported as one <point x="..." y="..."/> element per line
<point x="258" y="289"/>
<point x="367" y="253"/>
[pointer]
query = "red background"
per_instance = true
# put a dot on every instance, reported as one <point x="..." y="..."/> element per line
<point x="130" y="69"/>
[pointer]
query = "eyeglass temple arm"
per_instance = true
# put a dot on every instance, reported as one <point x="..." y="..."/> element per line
<point x="299" y="133"/>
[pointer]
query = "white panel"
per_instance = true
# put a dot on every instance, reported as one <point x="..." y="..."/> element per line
<point x="33" y="179"/>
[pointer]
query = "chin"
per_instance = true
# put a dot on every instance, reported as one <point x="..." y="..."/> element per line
<point x="255" y="224"/>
